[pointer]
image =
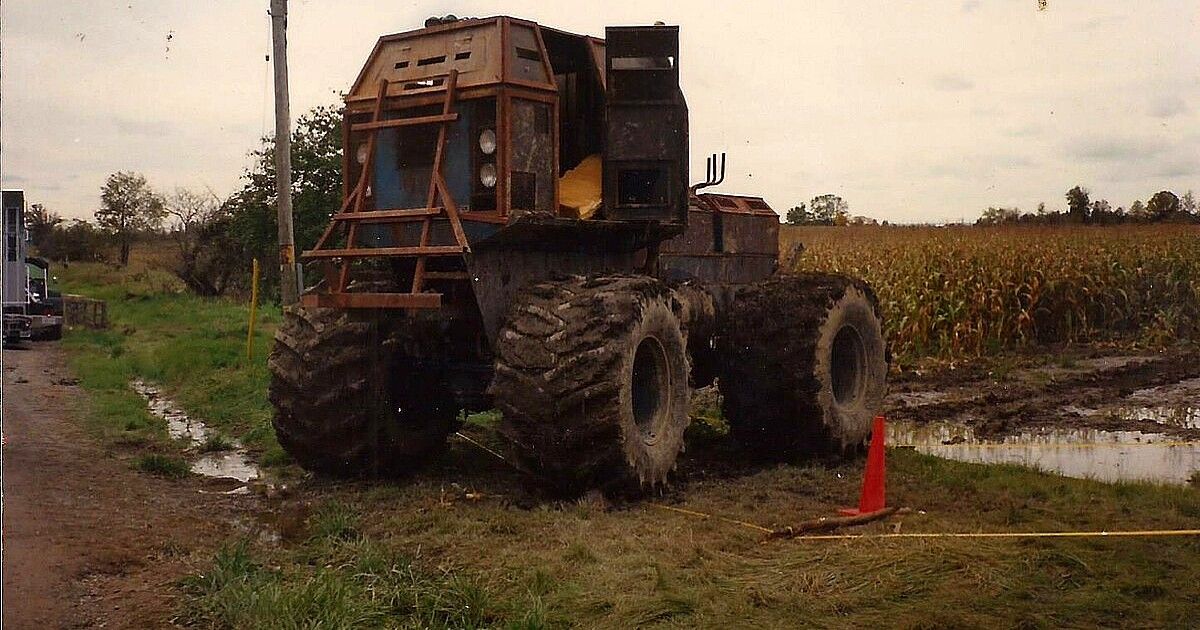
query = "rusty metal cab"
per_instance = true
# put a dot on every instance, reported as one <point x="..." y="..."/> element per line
<point x="484" y="154"/>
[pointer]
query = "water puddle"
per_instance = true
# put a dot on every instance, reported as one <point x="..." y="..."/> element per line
<point x="1176" y="417"/>
<point x="229" y="462"/>
<point x="1082" y="453"/>
<point x="1176" y="405"/>
<point x="233" y="464"/>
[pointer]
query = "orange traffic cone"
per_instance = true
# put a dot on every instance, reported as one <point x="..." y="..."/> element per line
<point x="872" y="492"/>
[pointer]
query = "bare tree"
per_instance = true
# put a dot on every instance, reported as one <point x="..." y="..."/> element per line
<point x="205" y="261"/>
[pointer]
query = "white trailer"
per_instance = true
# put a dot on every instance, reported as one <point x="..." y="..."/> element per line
<point x="14" y="277"/>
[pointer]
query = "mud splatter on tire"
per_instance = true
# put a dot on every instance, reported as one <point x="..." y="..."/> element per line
<point x="345" y="403"/>
<point x="803" y="364"/>
<point x="591" y="375"/>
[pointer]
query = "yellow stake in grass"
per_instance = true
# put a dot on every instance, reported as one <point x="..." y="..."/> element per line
<point x="253" y="310"/>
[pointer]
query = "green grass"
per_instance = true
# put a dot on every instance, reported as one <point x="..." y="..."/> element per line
<point x="421" y="554"/>
<point x="341" y="579"/>
<point x="194" y="348"/>
<point x="381" y="555"/>
<point x="167" y="466"/>
<point x="216" y="443"/>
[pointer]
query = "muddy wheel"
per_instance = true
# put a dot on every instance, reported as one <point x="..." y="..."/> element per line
<point x="591" y="375"/>
<point x="346" y="402"/>
<point x="803" y="364"/>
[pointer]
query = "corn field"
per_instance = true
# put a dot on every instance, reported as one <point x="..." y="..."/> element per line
<point x="954" y="292"/>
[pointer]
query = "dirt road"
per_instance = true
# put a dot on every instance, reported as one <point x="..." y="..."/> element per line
<point x="88" y="541"/>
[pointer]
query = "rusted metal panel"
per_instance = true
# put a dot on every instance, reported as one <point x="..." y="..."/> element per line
<point x="716" y="268"/>
<point x="499" y="273"/>
<point x="735" y="246"/>
<point x="739" y="204"/>
<point x="646" y="137"/>
<point x="697" y="238"/>
<point x="532" y="176"/>
<point x="414" y="61"/>
<point x="368" y="252"/>
<point x="750" y="234"/>
<point x="527" y="63"/>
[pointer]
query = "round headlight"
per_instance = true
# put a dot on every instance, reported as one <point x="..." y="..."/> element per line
<point x="487" y="175"/>
<point x="361" y="153"/>
<point x="487" y="141"/>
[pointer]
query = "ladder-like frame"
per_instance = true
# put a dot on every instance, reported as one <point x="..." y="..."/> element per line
<point x="352" y="215"/>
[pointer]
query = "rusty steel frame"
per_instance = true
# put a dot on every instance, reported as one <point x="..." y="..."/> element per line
<point x="445" y="88"/>
<point x="353" y="214"/>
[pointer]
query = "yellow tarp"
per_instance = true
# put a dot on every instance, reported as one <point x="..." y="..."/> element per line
<point x="579" y="188"/>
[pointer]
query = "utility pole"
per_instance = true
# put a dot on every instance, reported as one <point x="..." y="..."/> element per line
<point x="289" y="270"/>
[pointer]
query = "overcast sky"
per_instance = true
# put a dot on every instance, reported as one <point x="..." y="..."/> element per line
<point x="912" y="111"/>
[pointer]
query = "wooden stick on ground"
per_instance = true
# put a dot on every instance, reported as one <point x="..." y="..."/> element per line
<point x="830" y="523"/>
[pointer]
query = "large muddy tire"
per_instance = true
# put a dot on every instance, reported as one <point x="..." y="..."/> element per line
<point x="803" y="364"/>
<point x="346" y="402"/>
<point x="592" y="377"/>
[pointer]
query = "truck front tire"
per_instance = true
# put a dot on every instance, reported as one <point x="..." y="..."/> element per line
<point x="803" y="364"/>
<point x="346" y="402"/>
<point x="592" y="377"/>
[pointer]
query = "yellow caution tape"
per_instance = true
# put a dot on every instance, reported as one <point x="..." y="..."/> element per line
<point x="1092" y="534"/>
<point x="733" y="521"/>
<point x="1097" y="534"/>
<point x="1043" y="444"/>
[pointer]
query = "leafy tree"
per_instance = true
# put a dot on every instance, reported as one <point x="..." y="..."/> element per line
<point x="1102" y="212"/>
<point x="316" y="192"/>
<point x="798" y="215"/>
<point x="1187" y="203"/>
<point x="828" y="209"/>
<point x="41" y="224"/>
<point x="128" y="207"/>
<point x="997" y="216"/>
<point x="1163" y="205"/>
<point x="1137" y="211"/>
<point x="78" y="240"/>
<point x="1077" y="203"/>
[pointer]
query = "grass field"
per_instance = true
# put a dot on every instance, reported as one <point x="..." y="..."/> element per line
<point x="955" y="292"/>
<point x="420" y="554"/>
<point x="195" y="348"/>
<point x="463" y="545"/>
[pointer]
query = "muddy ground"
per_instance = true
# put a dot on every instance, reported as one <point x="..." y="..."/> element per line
<point x="91" y="542"/>
<point x="1099" y="388"/>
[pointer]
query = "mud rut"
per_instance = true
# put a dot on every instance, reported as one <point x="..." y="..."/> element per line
<point x="997" y="408"/>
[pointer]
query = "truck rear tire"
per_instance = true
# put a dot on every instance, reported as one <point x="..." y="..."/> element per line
<point x="803" y="364"/>
<point x="346" y="402"/>
<point x="592" y="377"/>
